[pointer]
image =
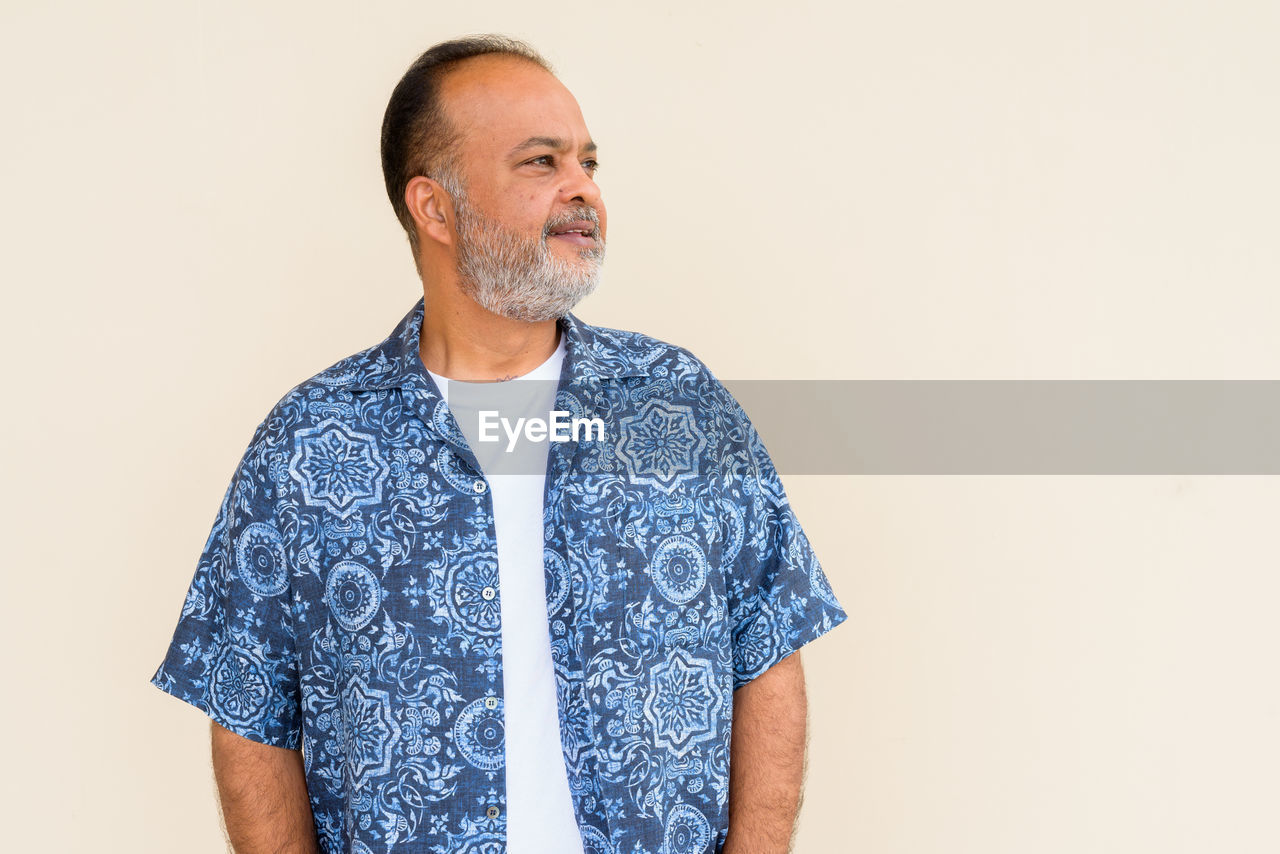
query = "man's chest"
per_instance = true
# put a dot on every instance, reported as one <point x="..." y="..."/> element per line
<point x="406" y="534"/>
<point x="398" y="595"/>
<point x="395" y="523"/>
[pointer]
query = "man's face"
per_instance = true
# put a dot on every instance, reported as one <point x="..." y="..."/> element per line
<point x="528" y="164"/>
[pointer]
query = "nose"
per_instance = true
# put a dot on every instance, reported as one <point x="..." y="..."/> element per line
<point x="579" y="186"/>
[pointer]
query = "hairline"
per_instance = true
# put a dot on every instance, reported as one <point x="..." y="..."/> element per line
<point x="449" y="156"/>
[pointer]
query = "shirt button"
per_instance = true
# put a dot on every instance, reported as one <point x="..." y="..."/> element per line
<point x="491" y="702"/>
<point x="488" y="593"/>
<point x="492" y="812"/>
<point x="478" y="486"/>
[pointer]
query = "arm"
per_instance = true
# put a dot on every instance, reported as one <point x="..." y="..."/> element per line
<point x="767" y="759"/>
<point x="263" y="791"/>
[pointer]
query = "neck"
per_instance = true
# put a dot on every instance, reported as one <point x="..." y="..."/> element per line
<point x="460" y="340"/>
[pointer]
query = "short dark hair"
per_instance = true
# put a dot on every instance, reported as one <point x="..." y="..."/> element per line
<point x="417" y="136"/>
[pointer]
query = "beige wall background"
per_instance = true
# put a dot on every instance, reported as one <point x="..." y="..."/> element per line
<point x="194" y="221"/>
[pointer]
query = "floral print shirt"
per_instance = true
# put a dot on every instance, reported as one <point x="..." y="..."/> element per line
<point x="346" y="602"/>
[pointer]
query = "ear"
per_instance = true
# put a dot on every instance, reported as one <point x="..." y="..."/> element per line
<point x="431" y="209"/>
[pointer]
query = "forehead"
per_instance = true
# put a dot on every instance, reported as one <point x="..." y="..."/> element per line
<point x="498" y="102"/>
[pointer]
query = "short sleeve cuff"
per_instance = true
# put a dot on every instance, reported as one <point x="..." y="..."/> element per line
<point x="261" y="729"/>
<point x="766" y="637"/>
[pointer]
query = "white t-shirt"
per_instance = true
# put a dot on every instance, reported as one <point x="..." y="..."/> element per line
<point x="540" y="814"/>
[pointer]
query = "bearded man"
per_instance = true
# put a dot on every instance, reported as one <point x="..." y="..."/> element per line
<point x="404" y="646"/>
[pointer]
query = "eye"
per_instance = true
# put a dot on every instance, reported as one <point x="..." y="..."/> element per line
<point x="591" y="165"/>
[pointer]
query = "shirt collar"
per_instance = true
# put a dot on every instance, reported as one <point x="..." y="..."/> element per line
<point x="592" y="353"/>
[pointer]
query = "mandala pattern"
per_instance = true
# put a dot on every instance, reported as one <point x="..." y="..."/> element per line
<point x="683" y="702"/>
<point x="260" y="559"/>
<point x="575" y="714"/>
<point x="687" y="832"/>
<point x="660" y="445"/>
<point x="755" y="643"/>
<point x="338" y="467"/>
<point x="347" y="603"/>
<point x="679" y="569"/>
<point x="368" y="730"/>
<point x="473" y="595"/>
<point x="481" y="736"/>
<point x="239" y="687"/>
<point x="353" y="595"/>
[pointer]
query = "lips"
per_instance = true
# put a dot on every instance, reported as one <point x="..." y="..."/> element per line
<point x="580" y="231"/>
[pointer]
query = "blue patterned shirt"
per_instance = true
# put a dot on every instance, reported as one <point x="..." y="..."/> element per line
<point x="346" y="602"/>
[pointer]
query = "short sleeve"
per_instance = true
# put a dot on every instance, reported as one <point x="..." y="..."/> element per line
<point x="233" y="654"/>
<point x="779" y="595"/>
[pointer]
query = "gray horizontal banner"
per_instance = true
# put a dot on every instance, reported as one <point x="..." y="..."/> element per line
<point x="1016" y="426"/>
<point x="844" y="427"/>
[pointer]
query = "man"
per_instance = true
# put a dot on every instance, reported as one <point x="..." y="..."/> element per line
<point x="404" y="649"/>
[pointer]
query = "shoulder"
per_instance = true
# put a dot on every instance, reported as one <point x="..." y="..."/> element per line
<point x="667" y="374"/>
<point x="678" y="403"/>
<point x="639" y="354"/>
<point x="330" y="393"/>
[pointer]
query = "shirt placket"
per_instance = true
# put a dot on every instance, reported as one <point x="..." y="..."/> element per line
<point x="424" y="402"/>
<point x="561" y="464"/>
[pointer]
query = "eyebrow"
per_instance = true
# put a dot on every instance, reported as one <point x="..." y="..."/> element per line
<point x="549" y="142"/>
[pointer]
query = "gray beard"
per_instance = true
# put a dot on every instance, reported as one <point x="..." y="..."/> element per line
<point x="520" y="277"/>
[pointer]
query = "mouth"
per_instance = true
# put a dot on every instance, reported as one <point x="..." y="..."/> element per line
<point x="576" y="238"/>
<point x="580" y="232"/>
